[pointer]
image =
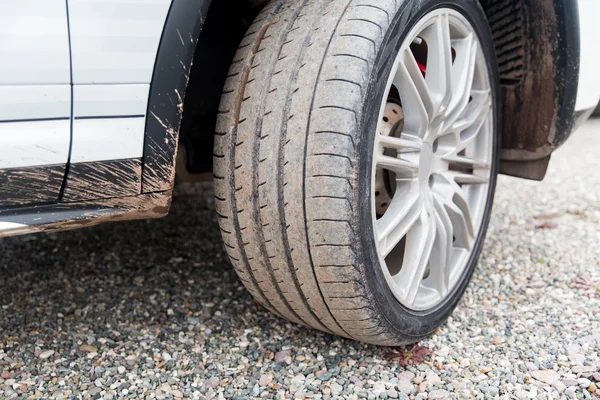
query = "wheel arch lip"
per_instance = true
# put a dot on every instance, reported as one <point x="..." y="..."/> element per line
<point x="167" y="91"/>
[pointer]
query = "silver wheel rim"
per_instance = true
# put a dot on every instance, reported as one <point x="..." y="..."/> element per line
<point x="432" y="159"/>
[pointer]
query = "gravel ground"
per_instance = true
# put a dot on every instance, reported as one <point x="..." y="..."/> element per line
<point x="152" y="309"/>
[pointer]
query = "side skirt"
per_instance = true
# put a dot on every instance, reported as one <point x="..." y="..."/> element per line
<point x="55" y="217"/>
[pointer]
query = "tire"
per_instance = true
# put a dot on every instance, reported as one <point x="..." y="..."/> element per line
<point x="293" y="163"/>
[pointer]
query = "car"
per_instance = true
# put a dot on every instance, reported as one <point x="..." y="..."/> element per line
<point x="354" y="145"/>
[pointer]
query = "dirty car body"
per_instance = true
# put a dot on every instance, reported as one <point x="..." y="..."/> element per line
<point x="95" y="107"/>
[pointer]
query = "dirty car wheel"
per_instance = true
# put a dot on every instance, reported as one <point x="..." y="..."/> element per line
<point x="356" y="159"/>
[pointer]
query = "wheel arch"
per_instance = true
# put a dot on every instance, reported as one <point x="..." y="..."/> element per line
<point x="172" y="68"/>
<point x="537" y="47"/>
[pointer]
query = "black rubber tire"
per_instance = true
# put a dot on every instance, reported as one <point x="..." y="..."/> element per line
<point x="292" y="163"/>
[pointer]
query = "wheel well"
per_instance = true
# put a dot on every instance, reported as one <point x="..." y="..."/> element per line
<point x="224" y="28"/>
<point x="507" y="23"/>
<point x="537" y="48"/>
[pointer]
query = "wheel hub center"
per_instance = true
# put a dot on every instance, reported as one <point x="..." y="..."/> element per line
<point x="425" y="162"/>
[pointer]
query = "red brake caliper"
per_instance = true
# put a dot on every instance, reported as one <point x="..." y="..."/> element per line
<point x="422" y="68"/>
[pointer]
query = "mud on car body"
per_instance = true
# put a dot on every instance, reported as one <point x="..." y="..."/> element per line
<point x="354" y="144"/>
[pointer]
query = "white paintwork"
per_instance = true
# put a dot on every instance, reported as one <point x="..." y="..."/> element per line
<point x="35" y="102"/>
<point x="24" y="144"/>
<point x="115" y="41"/>
<point x="35" y="82"/>
<point x="107" y="139"/>
<point x="34" y="42"/>
<point x="110" y="100"/>
<point x="11" y="228"/>
<point x="588" y="93"/>
<point x="114" y="45"/>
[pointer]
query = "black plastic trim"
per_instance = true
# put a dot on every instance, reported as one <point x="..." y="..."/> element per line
<point x="167" y="91"/>
<point x="31" y="185"/>
<point x="568" y="61"/>
<point x="4" y="121"/>
<point x="103" y="179"/>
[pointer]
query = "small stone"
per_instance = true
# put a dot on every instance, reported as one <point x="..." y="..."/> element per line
<point x="559" y="386"/>
<point x="485" y="370"/>
<point x="323" y="375"/>
<point x="570" y="382"/>
<point x="583" y="369"/>
<point x="283" y="356"/>
<point x="265" y="380"/>
<point x="336" y="388"/>
<point x="531" y="366"/>
<point x="405" y="376"/>
<point x="404" y="386"/>
<point x="490" y="391"/>
<point x="46" y="354"/>
<point x="88" y="348"/>
<point x="584" y="382"/>
<point x="592" y="388"/>
<point x="547" y="376"/>
<point x="121" y="369"/>
<point x="212" y="383"/>
<point x="166" y="356"/>
<point x="433" y="379"/>
<point x="479" y="378"/>
<point x="438" y="394"/>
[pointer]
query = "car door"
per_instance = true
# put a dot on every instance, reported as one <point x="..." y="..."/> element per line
<point x="35" y="100"/>
<point x="114" y="45"/>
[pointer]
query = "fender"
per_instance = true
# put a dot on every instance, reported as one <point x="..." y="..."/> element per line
<point x="167" y="91"/>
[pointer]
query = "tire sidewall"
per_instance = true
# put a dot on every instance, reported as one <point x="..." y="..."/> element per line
<point x="408" y="322"/>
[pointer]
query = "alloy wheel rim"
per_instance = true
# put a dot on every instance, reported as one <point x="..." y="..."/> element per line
<point x="432" y="159"/>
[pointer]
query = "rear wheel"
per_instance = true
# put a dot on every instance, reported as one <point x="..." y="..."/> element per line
<point x="355" y="162"/>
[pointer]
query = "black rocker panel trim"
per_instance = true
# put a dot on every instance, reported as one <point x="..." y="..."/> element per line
<point x="167" y="91"/>
<point x="62" y="216"/>
<point x="28" y="185"/>
<point x="103" y="179"/>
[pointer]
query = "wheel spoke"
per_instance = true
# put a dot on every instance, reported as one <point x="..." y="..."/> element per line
<point x="400" y="217"/>
<point x="475" y="112"/>
<point x="419" y="245"/>
<point x="453" y="198"/>
<point x="403" y="143"/>
<point x="415" y="96"/>
<point x="466" y="161"/>
<point x="469" y="179"/>
<point x="441" y="256"/>
<point x="439" y="62"/>
<point x="402" y="168"/>
<point x="463" y="71"/>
